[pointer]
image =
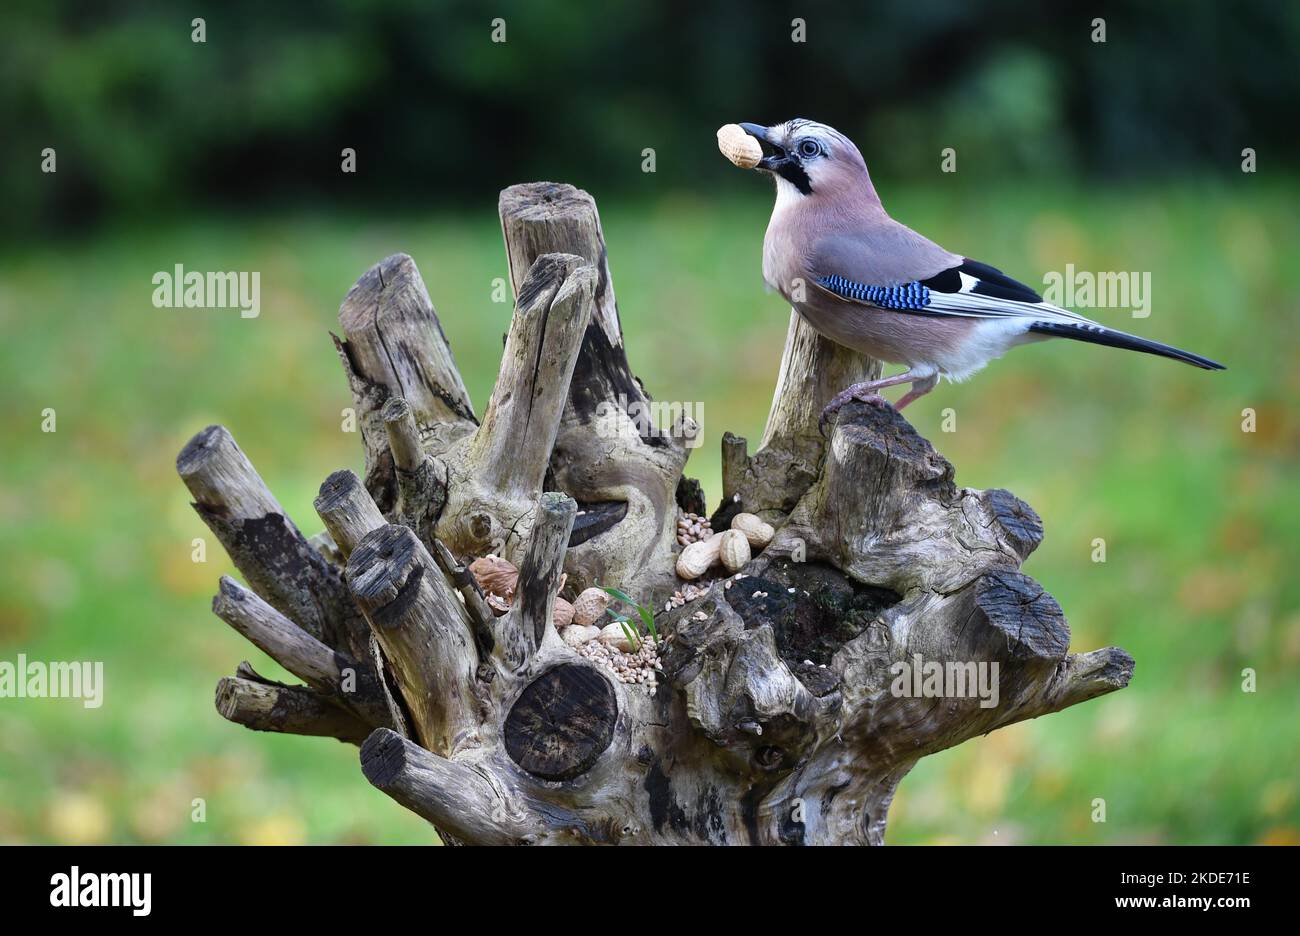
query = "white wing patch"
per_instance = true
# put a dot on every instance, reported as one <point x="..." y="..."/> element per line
<point x="970" y="304"/>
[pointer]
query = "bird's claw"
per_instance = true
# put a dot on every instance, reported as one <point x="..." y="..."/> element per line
<point x="837" y="403"/>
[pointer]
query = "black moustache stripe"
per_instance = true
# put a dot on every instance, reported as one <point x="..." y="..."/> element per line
<point x="793" y="173"/>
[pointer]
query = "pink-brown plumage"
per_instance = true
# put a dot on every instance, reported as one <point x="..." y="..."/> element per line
<point x="864" y="280"/>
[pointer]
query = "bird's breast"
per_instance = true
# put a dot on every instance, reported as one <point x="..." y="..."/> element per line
<point x="782" y="255"/>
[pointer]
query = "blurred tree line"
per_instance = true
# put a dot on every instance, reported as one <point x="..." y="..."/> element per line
<point x="145" y="121"/>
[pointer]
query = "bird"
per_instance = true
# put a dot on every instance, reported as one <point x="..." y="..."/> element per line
<point x="872" y="284"/>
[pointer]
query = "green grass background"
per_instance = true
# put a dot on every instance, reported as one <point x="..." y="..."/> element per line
<point x="1201" y="520"/>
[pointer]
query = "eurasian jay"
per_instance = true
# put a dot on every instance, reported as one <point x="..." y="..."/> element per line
<point x="867" y="282"/>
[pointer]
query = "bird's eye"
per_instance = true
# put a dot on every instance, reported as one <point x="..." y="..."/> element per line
<point x="809" y="148"/>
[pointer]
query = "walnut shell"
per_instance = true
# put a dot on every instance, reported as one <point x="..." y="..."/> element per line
<point x="496" y="576"/>
<point x="756" y="531"/>
<point x="697" y="558"/>
<point x="590" y="606"/>
<point x="738" y="146"/>
<point x="563" y="614"/>
<point x="733" y="550"/>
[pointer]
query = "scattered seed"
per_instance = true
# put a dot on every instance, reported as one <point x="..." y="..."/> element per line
<point x="636" y="668"/>
<point x="692" y="528"/>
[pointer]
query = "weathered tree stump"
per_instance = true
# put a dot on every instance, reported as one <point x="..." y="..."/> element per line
<point x="781" y="715"/>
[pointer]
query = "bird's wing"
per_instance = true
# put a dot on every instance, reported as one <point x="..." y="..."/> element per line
<point x="907" y="281"/>
<point x="927" y="280"/>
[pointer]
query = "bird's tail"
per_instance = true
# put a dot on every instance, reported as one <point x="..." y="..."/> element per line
<point x="1099" y="334"/>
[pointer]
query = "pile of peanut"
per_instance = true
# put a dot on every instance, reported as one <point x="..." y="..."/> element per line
<point x="637" y="667"/>
<point x="732" y="548"/>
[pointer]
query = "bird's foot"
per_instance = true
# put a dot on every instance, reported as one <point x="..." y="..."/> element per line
<point x="863" y="392"/>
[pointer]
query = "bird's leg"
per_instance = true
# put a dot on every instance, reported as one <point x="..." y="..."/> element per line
<point x="866" y="393"/>
<point x="920" y="387"/>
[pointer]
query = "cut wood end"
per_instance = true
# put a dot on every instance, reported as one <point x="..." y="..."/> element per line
<point x="357" y="311"/>
<point x="557" y="504"/>
<point x="545" y="201"/>
<point x="199" y="449"/>
<point x="385" y="567"/>
<point x="1023" y="527"/>
<point x="1100" y="671"/>
<point x="403" y="434"/>
<point x="395" y="409"/>
<point x="1025" y="614"/>
<point x="562" y="722"/>
<point x="228" y="592"/>
<point x="579" y="283"/>
<point x="336" y="490"/>
<point x="227" y="698"/>
<point x="383" y="757"/>
<point x="545" y="277"/>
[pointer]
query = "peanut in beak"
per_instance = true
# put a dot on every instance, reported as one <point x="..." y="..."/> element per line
<point x="738" y="146"/>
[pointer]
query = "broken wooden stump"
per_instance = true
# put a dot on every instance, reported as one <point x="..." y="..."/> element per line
<point x="887" y="618"/>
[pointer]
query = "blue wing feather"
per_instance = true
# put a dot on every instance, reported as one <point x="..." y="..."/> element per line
<point x="975" y="290"/>
<point x="968" y="290"/>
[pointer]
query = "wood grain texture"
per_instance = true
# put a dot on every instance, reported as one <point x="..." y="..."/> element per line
<point x="813" y="369"/>
<point x="347" y="510"/>
<point x="265" y="545"/>
<point x="286" y="709"/>
<point x="548" y="217"/>
<point x="493" y="475"/>
<point x="394" y="338"/>
<point x="393" y="345"/>
<point x="456" y="798"/>
<point x="552" y="312"/>
<point x="421" y="479"/>
<point x="562" y="722"/>
<point x="336" y="675"/>
<point x="424" y="631"/>
<point x="267" y="548"/>
<point x="529" y="623"/>
<point x="607" y="452"/>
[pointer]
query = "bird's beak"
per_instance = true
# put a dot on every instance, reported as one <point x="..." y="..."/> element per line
<point x="774" y="155"/>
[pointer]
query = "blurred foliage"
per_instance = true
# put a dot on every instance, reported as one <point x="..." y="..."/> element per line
<point x="1201" y="520"/>
<point x="163" y="144"/>
<point x="145" y="120"/>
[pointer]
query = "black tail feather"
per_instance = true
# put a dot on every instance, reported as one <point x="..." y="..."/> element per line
<point x="1116" y="339"/>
